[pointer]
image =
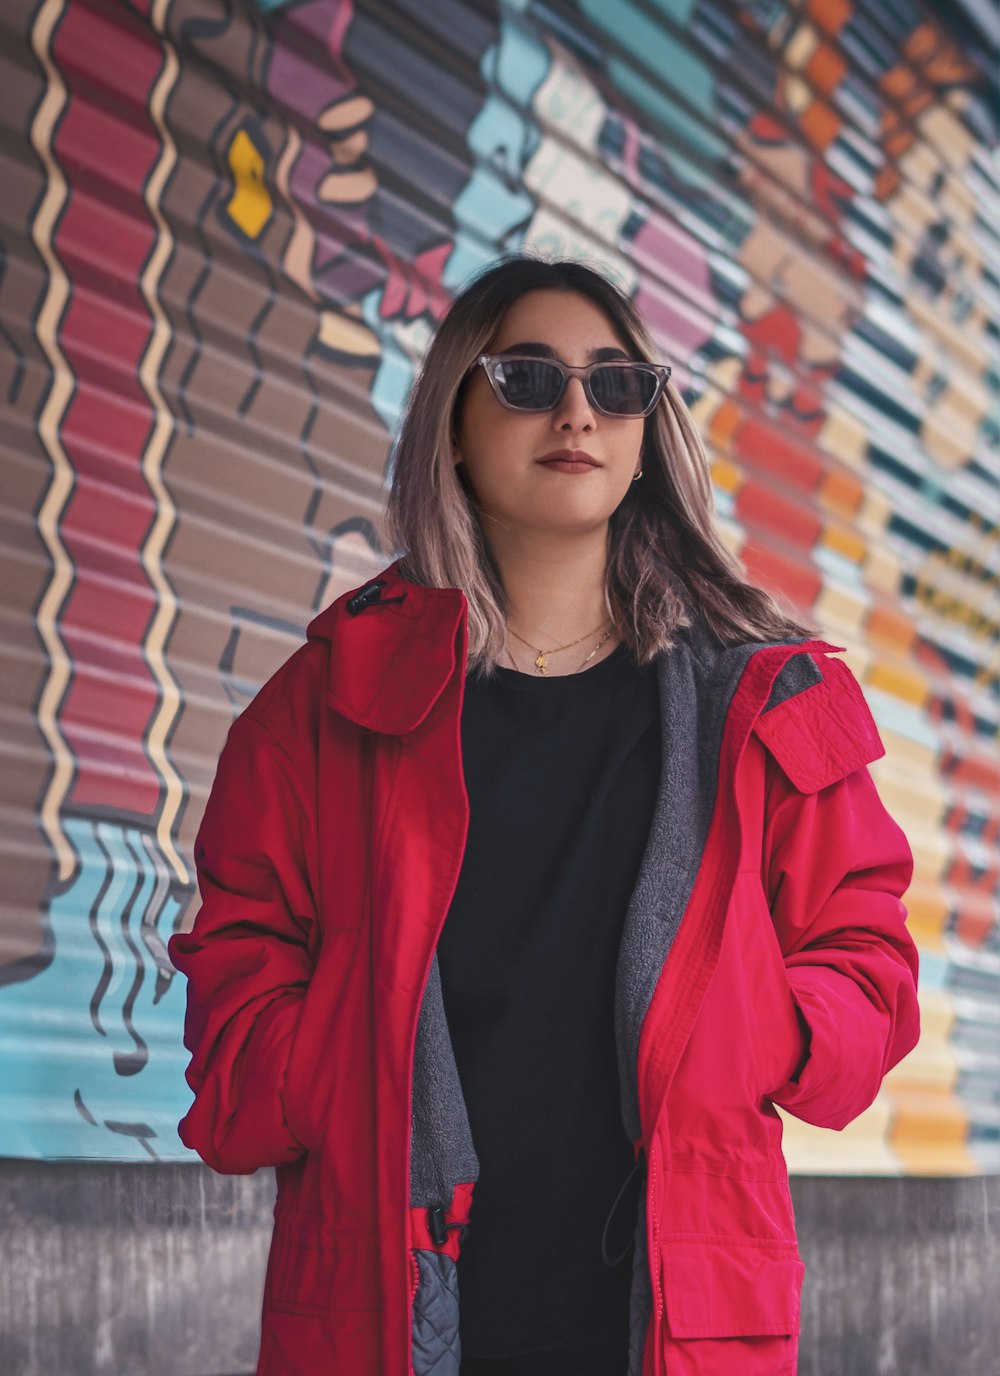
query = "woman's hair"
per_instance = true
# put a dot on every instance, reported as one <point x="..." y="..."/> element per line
<point x="666" y="559"/>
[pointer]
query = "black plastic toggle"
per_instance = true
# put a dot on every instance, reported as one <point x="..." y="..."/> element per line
<point x="365" y="596"/>
<point x="436" y="1225"/>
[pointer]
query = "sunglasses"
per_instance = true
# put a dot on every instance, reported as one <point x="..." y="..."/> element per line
<point x="522" y="382"/>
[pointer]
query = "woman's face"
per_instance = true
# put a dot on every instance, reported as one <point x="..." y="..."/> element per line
<point x="501" y="449"/>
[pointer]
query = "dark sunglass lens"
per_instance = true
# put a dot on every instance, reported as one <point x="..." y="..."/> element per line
<point x="530" y="384"/>
<point x="623" y="391"/>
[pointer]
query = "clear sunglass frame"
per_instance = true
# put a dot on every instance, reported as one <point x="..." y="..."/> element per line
<point x="661" y="372"/>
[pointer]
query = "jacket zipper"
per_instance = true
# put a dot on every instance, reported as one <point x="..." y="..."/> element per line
<point x="656" y="1244"/>
<point x="414" y="1277"/>
<point x="657" y="1275"/>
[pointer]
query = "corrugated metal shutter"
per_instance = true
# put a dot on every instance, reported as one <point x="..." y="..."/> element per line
<point x="226" y="235"/>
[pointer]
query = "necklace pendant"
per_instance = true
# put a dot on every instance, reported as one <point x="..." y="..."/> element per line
<point x="541" y="663"/>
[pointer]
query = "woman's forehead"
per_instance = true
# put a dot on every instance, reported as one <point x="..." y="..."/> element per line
<point x="559" y="319"/>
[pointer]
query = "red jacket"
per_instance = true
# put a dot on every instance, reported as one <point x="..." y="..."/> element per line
<point x="765" y="940"/>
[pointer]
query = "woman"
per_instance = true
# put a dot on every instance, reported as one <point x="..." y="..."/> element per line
<point x="534" y="879"/>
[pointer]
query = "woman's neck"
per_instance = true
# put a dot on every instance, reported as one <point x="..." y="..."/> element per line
<point x="555" y="589"/>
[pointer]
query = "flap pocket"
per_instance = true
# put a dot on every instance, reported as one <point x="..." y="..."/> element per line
<point x="731" y="1287"/>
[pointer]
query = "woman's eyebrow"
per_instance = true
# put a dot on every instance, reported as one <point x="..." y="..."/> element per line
<point x="607" y="353"/>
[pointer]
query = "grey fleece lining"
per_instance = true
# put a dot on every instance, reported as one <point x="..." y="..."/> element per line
<point x="697" y="680"/>
<point x="442" y="1154"/>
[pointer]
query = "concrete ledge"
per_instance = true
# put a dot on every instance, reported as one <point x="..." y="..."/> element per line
<point x="157" y="1271"/>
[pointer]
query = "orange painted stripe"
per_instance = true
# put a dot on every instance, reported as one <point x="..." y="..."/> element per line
<point x="841" y="492"/>
<point x="888" y="627"/>
<point x="723" y="425"/>
<point x="830" y="15"/>
<point x="820" y="124"/>
<point x="826" y="68"/>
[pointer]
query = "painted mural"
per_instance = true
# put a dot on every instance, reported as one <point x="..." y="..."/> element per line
<point x="227" y="232"/>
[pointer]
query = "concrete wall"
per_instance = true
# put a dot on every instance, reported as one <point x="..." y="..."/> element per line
<point x="125" y="1270"/>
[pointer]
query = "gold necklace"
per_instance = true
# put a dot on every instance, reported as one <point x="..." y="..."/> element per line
<point x="541" y="663"/>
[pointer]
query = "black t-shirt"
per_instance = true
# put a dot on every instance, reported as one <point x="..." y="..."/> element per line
<point x="562" y="774"/>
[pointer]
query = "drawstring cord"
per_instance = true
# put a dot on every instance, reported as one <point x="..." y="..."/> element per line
<point x="604" y="1235"/>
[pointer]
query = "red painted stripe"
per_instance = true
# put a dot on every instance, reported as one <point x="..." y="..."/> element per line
<point x="107" y="146"/>
<point x="772" y="449"/>
<point x="758" y="504"/>
<point x="778" y="573"/>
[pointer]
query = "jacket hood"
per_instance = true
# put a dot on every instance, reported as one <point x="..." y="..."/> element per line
<point x="394" y="645"/>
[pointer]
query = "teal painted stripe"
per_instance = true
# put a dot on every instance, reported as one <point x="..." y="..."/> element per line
<point x="649" y="43"/>
<point x="666" y="112"/>
<point x="54" y="1058"/>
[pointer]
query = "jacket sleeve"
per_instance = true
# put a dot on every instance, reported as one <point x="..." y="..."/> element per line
<point x="836" y="866"/>
<point x="247" y="958"/>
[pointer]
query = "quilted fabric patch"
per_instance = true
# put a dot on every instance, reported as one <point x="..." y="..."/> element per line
<point x="436" y="1347"/>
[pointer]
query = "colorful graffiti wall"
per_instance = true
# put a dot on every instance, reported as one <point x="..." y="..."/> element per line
<point x="226" y="233"/>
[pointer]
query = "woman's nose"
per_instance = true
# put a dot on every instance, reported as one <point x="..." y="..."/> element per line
<point x="574" y="410"/>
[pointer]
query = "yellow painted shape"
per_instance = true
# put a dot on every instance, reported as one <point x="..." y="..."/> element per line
<point x="912" y="806"/>
<point x="932" y="852"/>
<point x="927" y="915"/>
<point x="949" y="437"/>
<point x="843" y="435"/>
<point x="841" y="611"/>
<point x="862" y="1148"/>
<point x="969" y="396"/>
<point x="726" y="475"/>
<point x="732" y="536"/>
<point x="929" y="1132"/>
<point x="347" y="336"/>
<point x="937" y="1018"/>
<point x="857" y="658"/>
<point x="901" y="682"/>
<point x="873" y="517"/>
<point x="801" y="46"/>
<point x="930" y="1067"/>
<point x="845" y="542"/>
<point x="967" y="347"/>
<point x="250" y="204"/>
<point x="909" y="758"/>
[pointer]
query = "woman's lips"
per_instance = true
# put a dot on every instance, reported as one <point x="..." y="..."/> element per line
<point x="569" y="461"/>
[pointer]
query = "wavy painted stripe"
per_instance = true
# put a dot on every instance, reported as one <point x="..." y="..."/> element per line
<point x="165" y="615"/>
<point x="57" y="401"/>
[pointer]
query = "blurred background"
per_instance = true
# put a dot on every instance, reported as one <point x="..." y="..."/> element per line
<point x="227" y="230"/>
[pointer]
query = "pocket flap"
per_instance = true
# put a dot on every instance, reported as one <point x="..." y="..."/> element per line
<point x="731" y="1288"/>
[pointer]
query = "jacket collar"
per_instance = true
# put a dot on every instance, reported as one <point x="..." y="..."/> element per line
<point x="394" y="645"/>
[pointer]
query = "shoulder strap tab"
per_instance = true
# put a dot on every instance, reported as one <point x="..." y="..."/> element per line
<point x="821" y="731"/>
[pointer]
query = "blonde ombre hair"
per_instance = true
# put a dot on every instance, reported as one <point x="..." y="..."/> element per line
<point x="666" y="559"/>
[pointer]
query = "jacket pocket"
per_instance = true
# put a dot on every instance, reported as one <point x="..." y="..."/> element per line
<point x="731" y="1287"/>
<point x="777" y="1036"/>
